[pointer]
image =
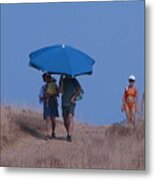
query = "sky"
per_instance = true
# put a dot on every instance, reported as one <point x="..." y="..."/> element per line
<point x="112" y="33"/>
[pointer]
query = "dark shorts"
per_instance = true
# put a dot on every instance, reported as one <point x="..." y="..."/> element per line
<point x="66" y="110"/>
<point x="50" y="109"/>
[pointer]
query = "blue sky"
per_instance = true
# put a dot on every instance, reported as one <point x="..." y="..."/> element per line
<point x="110" y="32"/>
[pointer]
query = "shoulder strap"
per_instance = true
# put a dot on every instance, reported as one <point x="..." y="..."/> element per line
<point x="126" y="88"/>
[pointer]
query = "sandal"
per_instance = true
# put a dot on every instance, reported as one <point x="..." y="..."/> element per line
<point x="46" y="137"/>
<point x="69" y="138"/>
<point x="53" y="136"/>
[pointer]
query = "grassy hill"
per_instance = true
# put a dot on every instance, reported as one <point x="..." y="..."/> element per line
<point x="103" y="147"/>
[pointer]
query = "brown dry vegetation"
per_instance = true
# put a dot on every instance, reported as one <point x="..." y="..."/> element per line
<point x="103" y="147"/>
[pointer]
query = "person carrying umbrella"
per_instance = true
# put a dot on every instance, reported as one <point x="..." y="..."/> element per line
<point x="48" y="95"/>
<point x="70" y="89"/>
<point x="69" y="62"/>
<point x="129" y="101"/>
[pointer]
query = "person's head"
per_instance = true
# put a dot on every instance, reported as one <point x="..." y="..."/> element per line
<point x="132" y="80"/>
<point x="68" y="77"/>
<point x="46" y="77"/>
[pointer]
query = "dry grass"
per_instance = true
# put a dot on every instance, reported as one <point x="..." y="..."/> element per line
<point x="103" y="147"/>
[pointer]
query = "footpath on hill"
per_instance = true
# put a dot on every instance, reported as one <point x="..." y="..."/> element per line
<point x="99" y="147"/>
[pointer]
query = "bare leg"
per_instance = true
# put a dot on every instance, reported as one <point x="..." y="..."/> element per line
<point x="127" y="113"/>
<point x="71" y="124"/>
<point x="66" y="124"/>
<point x="47" y="127"/>
<point x="53" y="125"/>
<point x="128" y="118"/>
<point x="133" y="112"/>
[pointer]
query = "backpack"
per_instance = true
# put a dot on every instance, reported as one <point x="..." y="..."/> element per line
<point x="80" y="96"/>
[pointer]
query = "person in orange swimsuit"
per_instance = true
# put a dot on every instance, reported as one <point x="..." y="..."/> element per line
<point x="129" y="101"/>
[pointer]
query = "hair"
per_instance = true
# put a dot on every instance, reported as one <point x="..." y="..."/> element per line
<point x="46" y="75"/>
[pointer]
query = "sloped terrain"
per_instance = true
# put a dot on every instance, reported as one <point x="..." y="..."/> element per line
<point x="103" y="147"/>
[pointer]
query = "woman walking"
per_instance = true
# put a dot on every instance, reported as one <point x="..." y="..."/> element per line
<point x="48" y="95"/>
<point x="129" y="101"/>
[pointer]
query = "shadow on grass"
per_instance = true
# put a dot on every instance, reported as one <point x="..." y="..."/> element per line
<point x="34" y="132"/>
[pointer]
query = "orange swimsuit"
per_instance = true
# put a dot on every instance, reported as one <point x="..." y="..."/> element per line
<point x="130" y="97"/>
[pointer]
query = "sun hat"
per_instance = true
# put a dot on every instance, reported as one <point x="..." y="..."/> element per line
<point x="132" y="77"/>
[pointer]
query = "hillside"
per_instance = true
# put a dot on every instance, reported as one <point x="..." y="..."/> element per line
<point x="103" y="147"/>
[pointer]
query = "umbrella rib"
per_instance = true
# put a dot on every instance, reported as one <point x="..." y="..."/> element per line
<point x="69" y="61"/>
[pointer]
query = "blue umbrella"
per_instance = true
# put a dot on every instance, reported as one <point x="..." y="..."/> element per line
<point x="61" y="59"/>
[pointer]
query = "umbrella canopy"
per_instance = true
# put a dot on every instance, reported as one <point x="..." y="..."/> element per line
<point x="61" y="59"/>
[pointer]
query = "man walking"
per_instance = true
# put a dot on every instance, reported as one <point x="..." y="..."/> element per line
<point x="70" y="89"/>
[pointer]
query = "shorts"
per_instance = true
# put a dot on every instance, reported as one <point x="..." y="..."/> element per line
<point x="66" y="110"/>
<point x="50" y="109"/>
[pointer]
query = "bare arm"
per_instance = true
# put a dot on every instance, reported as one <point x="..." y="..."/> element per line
<point x="77" y="91"/>
<point x="76" y="94"/>
<point x="57" y="90"/>
<point x="60" y="89"/>
<point x="136" y="102"/>
<point x="123" y="102"/>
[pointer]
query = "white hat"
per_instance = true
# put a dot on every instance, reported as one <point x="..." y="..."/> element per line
<point x="132" y="77"/>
